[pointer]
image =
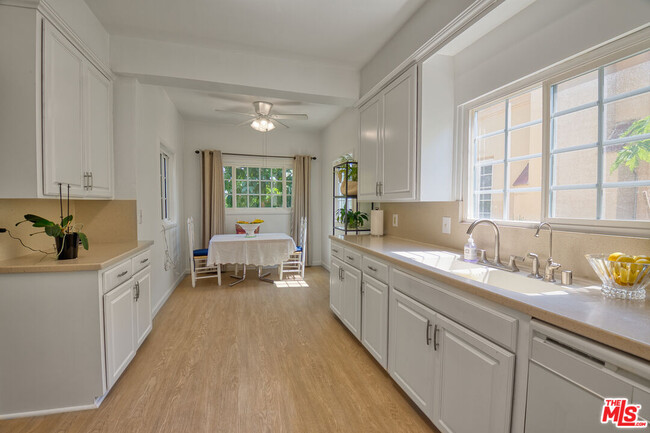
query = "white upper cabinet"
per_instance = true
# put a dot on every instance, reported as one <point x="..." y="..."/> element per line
<point x="77" y="121"/>
<point x="387" y="142"/>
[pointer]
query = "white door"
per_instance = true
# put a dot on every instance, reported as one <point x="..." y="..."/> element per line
<point x="411" y="354"/>
<point x="99" y="133"/>
<point x="120" y="333"/>
<point x="143" y="304"/>
<point x="399" y="143"/>
<point x="369" y="149"/>
<point x="374" y="318"/>
<point x="351" y="299"/>
<point x="474" y="381"/>
<point x="63" y="106"/>
<point x="335" y="287"/>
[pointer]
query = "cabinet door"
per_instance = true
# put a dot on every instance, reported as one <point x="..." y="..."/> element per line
<point x="351" y="299"/>
<point x="99" y="133"/>
<point x="374" y="318"/>
<point x="143" y="305"/>
<point x="474" y="381"/>
<point x="399" y="143"/>
<point x="335" y="287"/>
<point x="411" y="354"/>
<point x="63" y="113"/>
<point x="120" y="333"/>
<point x="369" y="149"/>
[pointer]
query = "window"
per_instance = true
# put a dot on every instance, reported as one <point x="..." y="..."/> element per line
<point x="165" y="174"/>
<point x="506" y="158"/>
<point x="257" y="187"/>
<point x="572" y="146"/>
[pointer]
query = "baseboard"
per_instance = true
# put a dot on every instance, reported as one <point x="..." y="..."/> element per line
<point x="166" y="296"/>
<point x="326" y="266"/>
<point x="48" y="411"/>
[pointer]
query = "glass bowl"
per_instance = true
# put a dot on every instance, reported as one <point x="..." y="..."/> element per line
<point x="620" y="280"/>
<point x="250" y="229"/>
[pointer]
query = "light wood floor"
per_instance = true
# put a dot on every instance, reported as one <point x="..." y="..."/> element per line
<point x="248" y="359"/>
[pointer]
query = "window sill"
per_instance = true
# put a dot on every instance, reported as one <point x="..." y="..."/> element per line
<point x="258" y="211"/>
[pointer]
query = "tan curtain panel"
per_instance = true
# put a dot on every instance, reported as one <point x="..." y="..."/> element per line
<point x="301" y="199"/>
<point x="212" y="195"/>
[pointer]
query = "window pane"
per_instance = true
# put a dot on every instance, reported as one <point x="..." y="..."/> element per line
<point x="489" y="206"/>
<point x="241" y="172"/>
<point x="265" y="173"/>
<point x="228" y="186"/>
<point x="289" y="174"/>
<point x="627" y="162"/>
<point x="490" y="176"/>
<point x="229" y="201"/>
<point x="242" y="201"/>
<point x="525" y="206"/>
<point x="526" y="173"/>
<point x="626" y="203"/>
<point x="289" y="189"/>
<point x="526" y="108"/>
<point x="241" y="187"/>
<point x="277" y="187"/>
<point x="492" y="148"/>
<point x="277" y="201"/>
<point x="288" y="201"/>
<point x="627" y="75"/>
<point x="266" y="201"/>
<point x="577" y="91"/>
<point x="627" y="117"/>
<point x="491" y="119"/>
<point x="580" y="127"/>
<point x="277" y="174"/>
<point x="253" y="187"/>
<point x="575" y="168"/>
<point x="227" y="173"/>
<point x="253" y="173"/>
<point x="253" y="201"/>
<point x="266" y="187"/>
<point x="575" y="203"/>
<point x="526" y="141"/>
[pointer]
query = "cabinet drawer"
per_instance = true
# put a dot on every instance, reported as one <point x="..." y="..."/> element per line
<point x="117" y="275"/>
<point x="337" y="250"/>
<point x="375" y="269"/>
<point x="141" y="261"/>
<point x="490" y="323"/>
<point x="352" y="258"/>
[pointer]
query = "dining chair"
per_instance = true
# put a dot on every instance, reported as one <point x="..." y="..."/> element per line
<point x="296" y="262"/>
<point x="199" y="259"/>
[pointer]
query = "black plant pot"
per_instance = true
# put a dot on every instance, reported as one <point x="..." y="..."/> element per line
<point x="70" y="246"/>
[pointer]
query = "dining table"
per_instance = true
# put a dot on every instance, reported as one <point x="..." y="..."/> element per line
<point x="263" y="249"/>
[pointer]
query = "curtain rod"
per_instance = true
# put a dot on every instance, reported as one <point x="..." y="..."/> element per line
<point x="261" y="156"/>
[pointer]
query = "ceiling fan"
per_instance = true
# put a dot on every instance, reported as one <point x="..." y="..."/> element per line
<point x="262" y="120"/>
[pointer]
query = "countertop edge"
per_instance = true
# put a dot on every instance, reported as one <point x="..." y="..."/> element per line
<point x="600" y="335"/>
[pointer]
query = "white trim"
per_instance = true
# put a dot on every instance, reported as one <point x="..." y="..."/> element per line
<point x="49" y="411"/>
<point x="163" y="300"/>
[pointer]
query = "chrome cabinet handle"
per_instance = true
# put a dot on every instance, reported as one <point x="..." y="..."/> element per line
<point x="429" y="333"/>
<point x="144" y="261"/>
<point x="350" y="258"/>
<point x="335" y="250"/>
<point x="121" y="274"/>
<point x="137" y="290"/>
<point x="372" y="269"/>
<point x="435" y="337"/>
<point x="342" y="274"/>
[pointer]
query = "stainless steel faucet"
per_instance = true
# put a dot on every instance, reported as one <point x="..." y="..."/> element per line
<point x="551" y="266"/>
<point x="496" y="263"/>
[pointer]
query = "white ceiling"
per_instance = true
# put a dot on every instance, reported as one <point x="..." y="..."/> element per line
<point x="196" y="105"/>
<point x="345" y="32"/>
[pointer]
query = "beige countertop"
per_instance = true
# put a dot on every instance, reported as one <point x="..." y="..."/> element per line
<point x="624" y="325"/>
<point x="99" y="256"/>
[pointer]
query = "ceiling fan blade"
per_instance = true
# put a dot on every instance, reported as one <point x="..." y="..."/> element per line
<point x="280" y="123"/>
<point x="235" y="112"/>
<point x="289" y="116"/>
<point x="245" y="122"/>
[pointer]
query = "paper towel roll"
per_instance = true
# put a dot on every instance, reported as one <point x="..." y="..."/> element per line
<point x="377" y="222"/>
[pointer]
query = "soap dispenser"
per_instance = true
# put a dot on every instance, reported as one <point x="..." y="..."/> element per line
<point x="470" y="251"/>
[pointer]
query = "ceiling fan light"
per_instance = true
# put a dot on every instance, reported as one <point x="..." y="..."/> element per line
<point x="270" y="126"/>
<point x="255" y="124"/>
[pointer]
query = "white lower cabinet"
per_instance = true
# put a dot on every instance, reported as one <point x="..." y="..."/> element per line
<point x="374" y="318"/>
<point x="120" y="328"/>
<point x="336" y="282"/>
<point x="351" y="299"/>
<point x="411" y="357"/>
<point x="142" y="305"/>
<point x="474" y="381"/>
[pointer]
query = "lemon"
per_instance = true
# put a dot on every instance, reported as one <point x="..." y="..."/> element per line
<point x="613" y="256"/>
<point x="625" y="259"/>
<point x="642" y="259"/>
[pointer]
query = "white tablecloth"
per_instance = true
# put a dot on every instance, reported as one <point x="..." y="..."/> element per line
<point x="265" y="249"/>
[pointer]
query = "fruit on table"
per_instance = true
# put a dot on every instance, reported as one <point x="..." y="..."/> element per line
<point x="628" y="270"/>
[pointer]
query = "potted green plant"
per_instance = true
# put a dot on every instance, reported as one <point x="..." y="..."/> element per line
<point x="352" y="219"/>
<point x="351" y="174"/>
<point x="66" y="235"/>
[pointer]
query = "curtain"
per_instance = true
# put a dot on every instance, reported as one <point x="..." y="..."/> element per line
<point x="212" y="199"/>
<point x="300" y="199"/>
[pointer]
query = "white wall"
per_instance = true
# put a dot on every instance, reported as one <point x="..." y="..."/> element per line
<point x="339" y="138"/>
<point x="205" y="135"/>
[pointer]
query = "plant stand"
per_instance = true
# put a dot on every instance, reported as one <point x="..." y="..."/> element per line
<point x="344" y="196"/>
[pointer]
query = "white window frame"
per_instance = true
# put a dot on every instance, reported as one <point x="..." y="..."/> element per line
<point x="260" y="162"/>
<point x="589" y="60"/>
<point x="170" y="221"/>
